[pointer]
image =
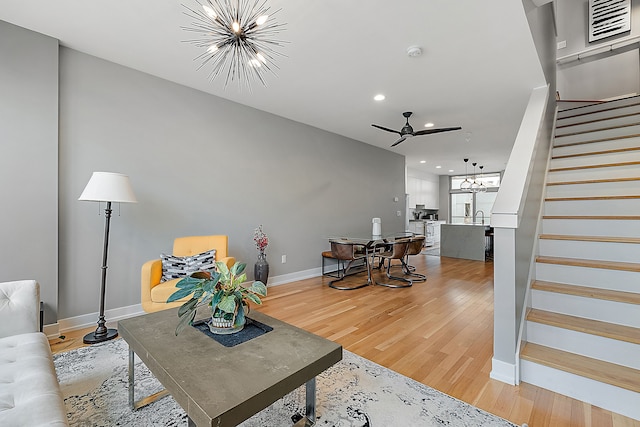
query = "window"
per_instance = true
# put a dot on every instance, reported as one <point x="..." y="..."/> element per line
<point x="464" y="205"/>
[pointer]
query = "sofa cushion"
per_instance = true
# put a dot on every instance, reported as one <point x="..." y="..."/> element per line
<point x="162" y="292"/>
<point x="174" y="267"/>
<point x="19" y="307"/>
<point x="29" y="390"/>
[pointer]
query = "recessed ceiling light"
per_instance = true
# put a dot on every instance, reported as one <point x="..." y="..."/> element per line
<point x="428" y="125"/>
<point x="438" y="167"/>
<point x="423" y="161"/>
<point x="450" y="170"/>
<point x="379" y="97"/>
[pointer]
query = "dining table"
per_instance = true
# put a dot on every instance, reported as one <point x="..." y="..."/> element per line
<point x="371" y="243"/>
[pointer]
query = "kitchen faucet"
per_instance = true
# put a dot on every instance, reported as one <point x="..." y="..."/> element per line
<point x="476" y="214"/>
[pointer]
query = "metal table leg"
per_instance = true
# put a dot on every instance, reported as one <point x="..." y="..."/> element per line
<point x="310" y="417"/>
<point x="145" y="400"/>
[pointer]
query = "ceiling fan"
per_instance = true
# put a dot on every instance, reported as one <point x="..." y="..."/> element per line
<point x="407" y="130"/>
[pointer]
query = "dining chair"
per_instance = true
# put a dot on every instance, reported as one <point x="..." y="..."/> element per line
<point x="348" y="252"/>
<point x="415" y="248"/>
<point x="395" y="250"/>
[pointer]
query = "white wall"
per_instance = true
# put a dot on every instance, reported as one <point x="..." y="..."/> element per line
<point x="29" y="161"/>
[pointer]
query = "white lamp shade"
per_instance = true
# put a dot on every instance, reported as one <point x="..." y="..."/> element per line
<point x="109" y="187"/>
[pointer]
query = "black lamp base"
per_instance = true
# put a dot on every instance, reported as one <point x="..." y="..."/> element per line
<point x="92" y="338"/>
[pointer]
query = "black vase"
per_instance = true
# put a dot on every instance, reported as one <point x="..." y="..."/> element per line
<point x="261" y="269"/>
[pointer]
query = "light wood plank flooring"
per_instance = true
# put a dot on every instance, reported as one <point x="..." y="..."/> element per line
<point x="439" y="333"/>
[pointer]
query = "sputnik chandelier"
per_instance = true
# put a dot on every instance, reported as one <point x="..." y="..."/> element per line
<point x="238" y="38"/>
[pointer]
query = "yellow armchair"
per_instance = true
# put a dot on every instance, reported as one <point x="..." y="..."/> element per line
<point x="154" y="293"/>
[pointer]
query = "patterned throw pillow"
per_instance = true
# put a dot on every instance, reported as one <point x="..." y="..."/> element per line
<point x="175" y="267"/>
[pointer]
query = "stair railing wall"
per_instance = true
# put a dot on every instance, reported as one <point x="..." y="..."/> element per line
<point x="515" y="221"/>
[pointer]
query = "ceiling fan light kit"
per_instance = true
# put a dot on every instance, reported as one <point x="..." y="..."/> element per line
<point x="238" y="38"/>
<point x="408" y="132"/>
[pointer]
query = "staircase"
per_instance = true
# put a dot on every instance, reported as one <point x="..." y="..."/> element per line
<point x="582" y="331"/>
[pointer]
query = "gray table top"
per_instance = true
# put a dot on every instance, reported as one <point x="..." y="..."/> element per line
<point x="223" y="386"/>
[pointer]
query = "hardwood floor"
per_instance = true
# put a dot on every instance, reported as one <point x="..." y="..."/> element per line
<point x="439" y="333"/>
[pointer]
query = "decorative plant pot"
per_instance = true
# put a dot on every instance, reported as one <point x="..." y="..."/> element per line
<point x="261" y="268"/>
<point x="222" y="326"/>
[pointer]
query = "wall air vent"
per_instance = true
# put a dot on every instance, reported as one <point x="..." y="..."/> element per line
<point x="608" y="18"/>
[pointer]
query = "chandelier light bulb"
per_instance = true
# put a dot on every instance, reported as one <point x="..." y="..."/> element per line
<point x="255" y="63"/>
<point x="209" y="11"/>
<point x="262" y="19"/>
<point x="212" y="48"/>
<point x="261" y="57"/>
<point x="236" y="27"/>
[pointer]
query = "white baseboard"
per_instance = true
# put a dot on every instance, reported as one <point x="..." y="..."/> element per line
<point x="91" y="319"/>
<point x="503" y="371"/>
<point x="86" y="320"/>
<point x="293" y="277"/>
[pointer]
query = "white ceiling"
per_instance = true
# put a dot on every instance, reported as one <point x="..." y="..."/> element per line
<point x="477" y="68"/>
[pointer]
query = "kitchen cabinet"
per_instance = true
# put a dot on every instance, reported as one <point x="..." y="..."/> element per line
<point x="416" y="227"/>
<point x="423" y="192"/>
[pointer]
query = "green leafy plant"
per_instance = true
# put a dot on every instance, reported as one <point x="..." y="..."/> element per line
<point x="222" y="290"/>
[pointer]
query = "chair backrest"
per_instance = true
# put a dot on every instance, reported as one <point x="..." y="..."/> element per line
<point x="415" y="245"/>
<point x="343" y="251"/>
<point x="400" y="248"/>
<point x="193" y="245"/>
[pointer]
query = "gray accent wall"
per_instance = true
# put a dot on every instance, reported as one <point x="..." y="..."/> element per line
<point x="29" y="161"/>
<point x="201" y="165"/>
<point x="606" y="75"/>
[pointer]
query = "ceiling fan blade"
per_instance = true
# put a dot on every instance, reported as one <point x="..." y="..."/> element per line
<point x="399" y="141"/>
<point x="387" y="129"/>
<point x="439" y="130"/>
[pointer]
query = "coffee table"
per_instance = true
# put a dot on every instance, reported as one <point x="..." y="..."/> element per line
<point x="223" y="386"/>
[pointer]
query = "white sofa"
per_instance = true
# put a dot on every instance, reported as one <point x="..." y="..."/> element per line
<point x="29" y="391"/>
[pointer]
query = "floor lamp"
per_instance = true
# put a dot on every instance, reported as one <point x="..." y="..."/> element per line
<point x="106" y="187"/>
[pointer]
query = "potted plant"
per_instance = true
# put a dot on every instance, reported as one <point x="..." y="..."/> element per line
<point x="222" y="290"/>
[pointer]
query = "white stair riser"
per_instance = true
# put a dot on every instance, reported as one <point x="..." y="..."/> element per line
<point x="592" y="125"/>
<point x="570" y="121"/>
<point x="610" y="144"/>
<point x="618" y="188"/>
<point x="605" y="396"/>
<point x="591" y="308"/>
<point x="589" y="227"/>
<point x="628" y="171"/>
<point x="593" y="346"/>
<point x="600" y="134"/>
<point x="627" y="156"/>
<point x="602" y="251"/>
<point x="593" y="277"/>
<point x="609" y="108"/>
<point x="593" y="207"/>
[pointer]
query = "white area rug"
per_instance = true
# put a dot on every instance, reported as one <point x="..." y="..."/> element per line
<point x="354" y="392"/>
